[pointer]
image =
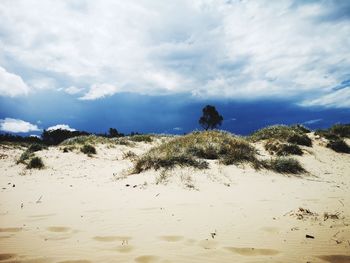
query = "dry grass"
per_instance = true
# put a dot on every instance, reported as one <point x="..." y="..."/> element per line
<point x="278" y="148"/>
<point x="192" y="150"/>
<point x="290" y="134"/>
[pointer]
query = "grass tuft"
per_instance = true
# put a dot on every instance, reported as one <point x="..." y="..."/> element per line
<point x="88" y="149"/>
<point x="191" y="149"/>
<point x="35" y="163"/>
<point x="282" y="149"/>
<point x="339" y="146"/>
<point x="141" y="138"/>
<point x="35" y="147"/>
<point x="285" y="166"/>
<point x="292" y="134"/>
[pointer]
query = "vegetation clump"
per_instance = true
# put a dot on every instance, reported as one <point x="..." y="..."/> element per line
<point x="141" y="138"/>
<point x="335" y="135"/>
<point x="339" y="146"/>
<point x="191" y="149"/>
<point x="285" y="165"/>
<point x="282" y="149"/>
<point x="292" y="134"/>
<point x="88" y="149"/>
<point x="35" y="147"/>
<point x="129" y="155"/>
<point x="26" y="155"/>
<point x="35" y="163"/>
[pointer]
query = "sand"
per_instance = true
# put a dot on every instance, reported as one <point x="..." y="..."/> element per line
<point x="85" y="209"/>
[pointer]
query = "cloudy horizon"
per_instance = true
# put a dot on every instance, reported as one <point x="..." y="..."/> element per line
<point x="89" y="65"/>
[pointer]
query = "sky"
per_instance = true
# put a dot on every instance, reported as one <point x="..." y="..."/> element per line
<point x="151" y="66"/>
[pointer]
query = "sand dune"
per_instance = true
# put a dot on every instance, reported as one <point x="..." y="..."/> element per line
<point x="86" y="209"/>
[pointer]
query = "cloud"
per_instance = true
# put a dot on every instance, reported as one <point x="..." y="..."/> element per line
<point x="312" y="121"/>
<point x="60" y="126"/>
<point x="16" y="126"/>
<point x="337" y="99"/>
<point x="98" y="91"/>
<point x="72" y="90"/>
<point x="177" y="129"/>
<point x="11" y="84"/>
<point x="224" y="49"/>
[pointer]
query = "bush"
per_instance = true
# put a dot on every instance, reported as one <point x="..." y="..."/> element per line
<point x="327" y="135"/>
<point x="186" y="150"/>
<point x="25" y="156"/>
<point x="282" y="149"/>
<point x="129" y="155"/>
<point x="36" y="147"/>
<point x="342" y="130"/>
<point x="141" y="138"/>
<point x="338" y="145"/>
<point x="285" y="165"/>
<point x="300" y="139"/>
<point x="35" y="163"/>
<point x="149" y="162"/>
<point x="335" y="132"/>
<point x="291" y="134"/>
<point x="88" y="149"/>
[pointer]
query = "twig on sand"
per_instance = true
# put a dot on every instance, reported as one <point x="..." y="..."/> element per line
<point x="39" y="200"/>
<point x="341" y="202"/>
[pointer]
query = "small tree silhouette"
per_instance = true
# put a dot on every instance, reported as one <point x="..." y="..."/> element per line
<point x="211" y="118"/>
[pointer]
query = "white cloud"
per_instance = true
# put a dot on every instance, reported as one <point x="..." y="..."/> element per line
<point x="61" y="127"/>
<point x="177" y="129"/>
<point x="230" y="49"/>
<point x="100" y="91"/>
<point x="16" y="126"/>
<point x="336" y="99"/>
<point x="11" y="84"/>
<point x="312" y="121"/>
<point x="72" y="90"/>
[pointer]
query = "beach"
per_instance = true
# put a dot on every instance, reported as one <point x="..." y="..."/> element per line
<point x="82" y="208"/>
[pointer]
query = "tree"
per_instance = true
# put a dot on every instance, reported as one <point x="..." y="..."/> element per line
<point x="211" y="118"/>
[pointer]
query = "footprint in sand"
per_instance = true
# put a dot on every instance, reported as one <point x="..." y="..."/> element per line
<point x="124" y="248"/>
<point x="208" y="244"/>
<point x="59" y="229"/>
<point x="336" y="258"/>
<point x="171" y="238"/>
<point x="11" y="229"/>
<point x="272" y="230"/>
<point x="250" y="251"/>
<point x="75" y="261"/>
<point x="112" y="238"/>
<point x="147" y="259"/>
<point x="7" y="256"/>
<point x="58" y="233"/>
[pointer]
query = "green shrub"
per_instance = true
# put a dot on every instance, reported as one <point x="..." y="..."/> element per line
<point x="335" y="132"/>
<point x="148" y="162"/>
<point x="342" y="130"/>
<point x="300" y="139"/>
<point x="25" y="156"/>
<point x="88" y="149"/>
<point x="285" y="165"/>
<point x="300" y="128"/>
<point x="327" y="134"/>
<point x="186" y="150"/>
<point x="36" y="147"/>
<point x="291" y="134"/>
<point x="282" y="149"/>
<point x="129" y="155"/>
<point x="141" y="138"/>
<point x="338" y="145"/>
<point x="68" y="149"/>
<point x="36" y="163"/>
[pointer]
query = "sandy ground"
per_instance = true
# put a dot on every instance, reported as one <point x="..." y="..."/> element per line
<point x="83" y="209"/>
